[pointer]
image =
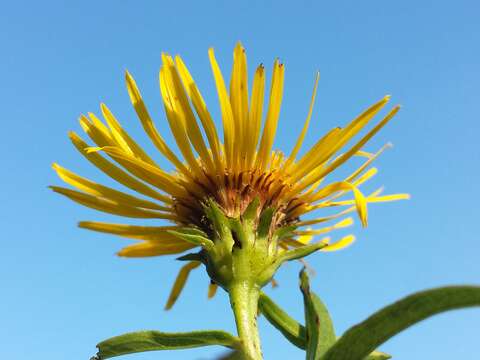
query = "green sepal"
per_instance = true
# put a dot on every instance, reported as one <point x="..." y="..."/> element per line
<point x="238" y="230"/>
<point x="250" y="213"/>
<point x="285" y="231"/>
<point x="363" y="338"/>
<point x="299" y="252"/>
<point x="192" y="257"/>
<point x="141" y="341"/>
<point x="289" y="327"/>
<point x="320" y="331"/>
<point x="195" y="239"/>
<point x="217" y="217"/>
<point x="193" y="231"/>
<point x="265" y="221"/>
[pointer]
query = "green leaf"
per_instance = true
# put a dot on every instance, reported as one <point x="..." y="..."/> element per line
<point x="291" y="329"/>
<point x="155" y="340"/>
<point x="361" y="339"/>
<point x="378" y="355"/>
<point x="320" y="331"/>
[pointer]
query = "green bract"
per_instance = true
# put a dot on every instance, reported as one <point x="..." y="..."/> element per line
<point x="243" y="248"/>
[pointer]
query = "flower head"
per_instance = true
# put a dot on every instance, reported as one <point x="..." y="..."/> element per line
<point x="224" y="196"/>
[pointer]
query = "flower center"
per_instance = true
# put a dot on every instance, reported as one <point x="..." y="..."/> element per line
<point x="233" y="192"/>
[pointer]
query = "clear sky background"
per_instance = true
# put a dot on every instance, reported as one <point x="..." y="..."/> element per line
<point x="62" y="289"/>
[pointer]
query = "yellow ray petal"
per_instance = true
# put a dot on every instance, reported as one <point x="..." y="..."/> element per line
<point x="326" y="218"/>
<point x="180" y="282"/>
<point x="151" y="233"/>
<point x="300" y="139"/>
<point x="255" y="114"/>
<point x="226" y="109"/>
<point x="360" y="202"/>
<point x="119" y="135"/>
<point x="340" y="139"/>
<point x="318" y="154"/>
<point x="201" y="109"/>
<point x="181" y="107"/>
<point x="149" y="248"/>
<point x="341" y="244"/>
<point x="149" y="126"/>
<point x="359" y="181"/>
<point x="177" y="125"/>
<point x="144" y="171"/>
<point x="271" y="121"/>
<point x="322" y="172"/>
<point x="374" y="199"/>
<point x="354" y="127"/>
<point x="276" y="160"/>
<point x="99" y="190"/>
<point x="98" y="135"/>
<point x="296" y="243"/>
<point x="368" y="162"/>
<point x="239" y="103"/>
<point x="111" y="207"/>
<point x="336" y="203"/>
<point x="341" y="224"/>
<point x="392" y="197"/>
<point x="212" y="289"/>
<point x="100" y="126"/>
<point x="365" y="177"/>
<point x="305" y="239"/>
<point x="115" y="172"/>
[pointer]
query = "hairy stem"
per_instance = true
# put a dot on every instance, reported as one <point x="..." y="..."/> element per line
<point x="244" y="302"/>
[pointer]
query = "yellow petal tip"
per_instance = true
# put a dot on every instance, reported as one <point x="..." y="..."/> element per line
<point x="92" y="149"/>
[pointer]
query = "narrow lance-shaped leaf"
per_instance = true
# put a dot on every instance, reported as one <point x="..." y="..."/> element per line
<point x="293" y="330"/>
<point x="361" y="339"/>
<point x="155" y="340"/>
<point x="289" y="327"/>
<point x="320" y="331"/>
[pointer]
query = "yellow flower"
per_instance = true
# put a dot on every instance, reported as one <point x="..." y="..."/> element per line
<point x="232" y="173"/>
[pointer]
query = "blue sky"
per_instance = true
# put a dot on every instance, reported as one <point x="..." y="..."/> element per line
<point x="62" y="288"/>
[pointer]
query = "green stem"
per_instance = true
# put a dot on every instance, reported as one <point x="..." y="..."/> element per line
<point x="244" y="302"/>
